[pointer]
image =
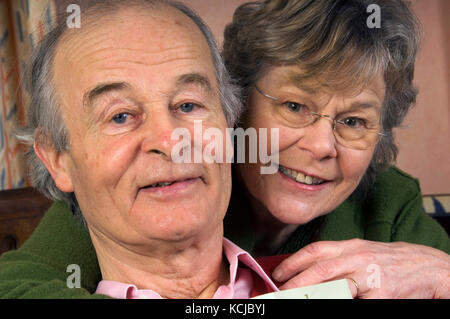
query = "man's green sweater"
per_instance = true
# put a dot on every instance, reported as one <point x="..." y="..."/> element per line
<point x="391" y="212"/>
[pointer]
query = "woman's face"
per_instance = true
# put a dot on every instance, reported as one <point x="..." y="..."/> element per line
<point x="318" y="169"/>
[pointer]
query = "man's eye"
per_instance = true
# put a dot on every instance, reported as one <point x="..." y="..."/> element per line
<point x="120" y="118"/>
<point x="187" y="107"/>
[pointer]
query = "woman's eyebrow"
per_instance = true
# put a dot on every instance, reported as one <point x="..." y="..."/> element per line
<point x="101" y="90"/>
<point x="365" y="105"/>
<point x="298" y="80"/>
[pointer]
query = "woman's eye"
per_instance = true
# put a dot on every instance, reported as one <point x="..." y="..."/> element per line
<point x="354" y="122"/>
<point x="187" y="107"/>
<point x="296" y="107"/>
<point x="120" y="118"/>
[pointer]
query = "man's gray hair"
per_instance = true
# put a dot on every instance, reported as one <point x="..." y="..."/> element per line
<point x="44" y="120"/>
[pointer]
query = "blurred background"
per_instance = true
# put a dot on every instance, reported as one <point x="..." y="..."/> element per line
<point x="424" y="141"/>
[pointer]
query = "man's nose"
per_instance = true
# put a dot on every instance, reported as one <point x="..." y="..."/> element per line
<point x="157" y="134"/>
<point x="319" y="140"/>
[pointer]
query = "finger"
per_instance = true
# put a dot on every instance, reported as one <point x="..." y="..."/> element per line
<point x="354" y="286"/>
<point x="305" y="257"/>
<point x="322" y="271"/>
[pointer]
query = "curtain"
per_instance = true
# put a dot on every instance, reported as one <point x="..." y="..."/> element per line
<point x="23" y="23"/>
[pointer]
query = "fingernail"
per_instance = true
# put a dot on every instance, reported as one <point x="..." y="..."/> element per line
<point x="277" y="274"/>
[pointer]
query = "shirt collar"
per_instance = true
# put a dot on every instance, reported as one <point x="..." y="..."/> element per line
<point x="240" y="284"/>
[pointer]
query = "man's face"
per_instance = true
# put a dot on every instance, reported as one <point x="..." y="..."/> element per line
<point x="125" y="83"/>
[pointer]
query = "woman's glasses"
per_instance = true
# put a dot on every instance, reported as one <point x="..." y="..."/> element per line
<point x="357" y="132"/>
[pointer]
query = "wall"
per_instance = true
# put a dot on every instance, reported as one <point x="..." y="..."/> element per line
<point x="425" y="141"/>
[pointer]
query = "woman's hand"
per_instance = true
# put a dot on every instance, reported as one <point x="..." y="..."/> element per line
<point x="381" y="270"/>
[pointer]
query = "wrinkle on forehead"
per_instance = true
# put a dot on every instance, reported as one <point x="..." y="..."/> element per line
<point x="96" y="29"/>
<point x="106" y="44"/>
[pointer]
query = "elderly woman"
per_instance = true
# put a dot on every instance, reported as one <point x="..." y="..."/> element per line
<point x="335" y="88"/>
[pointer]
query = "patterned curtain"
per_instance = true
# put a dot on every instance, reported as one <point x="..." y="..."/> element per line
<point x="22" y="24"/>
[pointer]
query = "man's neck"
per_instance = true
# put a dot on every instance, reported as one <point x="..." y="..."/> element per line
<point x="189" y="269"/>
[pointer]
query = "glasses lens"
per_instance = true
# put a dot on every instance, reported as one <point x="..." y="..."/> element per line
<point x="360" y="139"/>
<point x="296" y="115"/>
<point x="349" y="133"/>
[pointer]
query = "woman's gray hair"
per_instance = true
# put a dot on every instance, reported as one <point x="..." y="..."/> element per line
<point x="334" y="45"/>
<point x="44" y="120"/>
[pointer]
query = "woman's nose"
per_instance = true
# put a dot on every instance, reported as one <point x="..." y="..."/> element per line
<point x="319" y="140"/>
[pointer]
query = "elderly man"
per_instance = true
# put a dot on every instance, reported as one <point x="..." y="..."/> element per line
<point x="106" y="99"/>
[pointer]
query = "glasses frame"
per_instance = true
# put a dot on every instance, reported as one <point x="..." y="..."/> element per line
<point x="315" y="114"/>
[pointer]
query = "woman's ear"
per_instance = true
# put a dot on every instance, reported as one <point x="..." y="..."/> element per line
<point x="57" y="163"/>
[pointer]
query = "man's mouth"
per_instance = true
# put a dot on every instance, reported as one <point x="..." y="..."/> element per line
<point x="160" y="184"/>
<point x="300" y="177"/>
<point x="168" y="183"/>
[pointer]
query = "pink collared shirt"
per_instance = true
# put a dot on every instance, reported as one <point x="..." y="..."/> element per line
<point x="240" y="286"/>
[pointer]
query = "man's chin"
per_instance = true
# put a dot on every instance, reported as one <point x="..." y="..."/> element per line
<point x="171" y="220"/>
<point x="182" y="234"/>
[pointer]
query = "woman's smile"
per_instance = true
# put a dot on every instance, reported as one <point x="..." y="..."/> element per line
<point x="301" y="177"/>
<point x="301" y="181"/>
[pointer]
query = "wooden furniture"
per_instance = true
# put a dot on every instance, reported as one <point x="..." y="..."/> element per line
<point x="20" y="213"/>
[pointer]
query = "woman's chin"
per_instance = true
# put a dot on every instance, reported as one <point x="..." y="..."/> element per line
<point x="293" y="214"/>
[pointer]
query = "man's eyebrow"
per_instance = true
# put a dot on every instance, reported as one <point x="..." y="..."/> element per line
<point x="102" y="89"/>
<point x="195" y="79"/>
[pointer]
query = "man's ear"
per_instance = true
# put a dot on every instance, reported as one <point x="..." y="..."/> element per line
<point x="57" y="165"/>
